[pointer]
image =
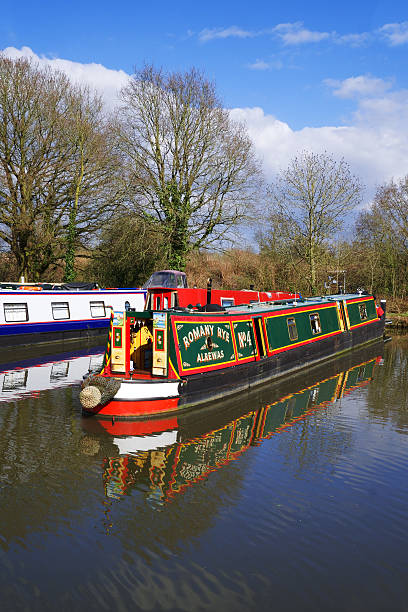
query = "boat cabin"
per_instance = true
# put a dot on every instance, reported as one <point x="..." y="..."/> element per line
<point x="168" y="289"/>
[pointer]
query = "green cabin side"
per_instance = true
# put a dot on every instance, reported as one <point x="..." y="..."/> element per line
<point x="291" y="328"/>
<point x="361" y="311"/>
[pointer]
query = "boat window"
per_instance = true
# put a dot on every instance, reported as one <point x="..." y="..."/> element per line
<point x="174" y="300"/>
<point x="315" y="323"/>
<point x="15" y="312"/>
<point x="60" y="310"/>
<point x="363" y="311"/>
<point x="165" y="303"/>
<point x="227" y="302"/>
<point x="158" y="302"/>
<point x="97" y="309"/>
<point x="292" y="329"/>
<point x="166" y="278"/>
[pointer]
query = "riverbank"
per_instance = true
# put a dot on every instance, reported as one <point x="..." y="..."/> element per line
<point x="397" y="313"/>
<point x="399" y="322"/>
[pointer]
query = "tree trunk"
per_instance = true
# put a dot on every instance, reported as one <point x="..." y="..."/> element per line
<point x="312" y="268"/>
<point x="178" y="247"/>
<point x="69" y="275"/>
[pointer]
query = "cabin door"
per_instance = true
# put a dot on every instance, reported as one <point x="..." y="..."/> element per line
<point x="260" y="336"/>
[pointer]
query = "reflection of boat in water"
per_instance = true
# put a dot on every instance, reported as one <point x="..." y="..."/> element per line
<point x="167" y="455"/>
<point x="30" y="376"/>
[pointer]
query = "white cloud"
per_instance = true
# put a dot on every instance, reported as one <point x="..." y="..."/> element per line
<point x="262" y="65"/>
<point x="354" y="40"/>
<point x="374" y="142"/>
<point x="360" y="86"/>
<point x="289" y="33"/>
<point x="230" y="32"/>
<point x="395" y="33"/>
<point x="259" y="65"/>
<point x="296" y="34"/>
<point x="375" y="145"/>
<point x="108" y="82"/>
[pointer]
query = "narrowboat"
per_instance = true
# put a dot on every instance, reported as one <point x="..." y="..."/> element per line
<point x="46" y="313"/>
<point x="167" y="357"/>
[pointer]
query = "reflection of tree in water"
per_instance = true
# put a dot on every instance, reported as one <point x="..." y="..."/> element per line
<point x="321" y="439"/>
<point x="387" y="399"/>
<point x="42" y="475"/>
<point x="316" y="443"/>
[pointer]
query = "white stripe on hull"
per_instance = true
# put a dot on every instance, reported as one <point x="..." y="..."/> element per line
<point x="145" y="391"/>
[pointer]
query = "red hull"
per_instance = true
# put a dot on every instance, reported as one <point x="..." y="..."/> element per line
<point x="133" y="409"/>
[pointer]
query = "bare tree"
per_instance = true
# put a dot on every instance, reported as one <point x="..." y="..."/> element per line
<point x="94" y="172"/>
<point x="382" y="230"/>
<point x="52" y="151"/>
<point x="309" y="201"/>
<point x="191" y="168"/>
<point x="392" y="201"/>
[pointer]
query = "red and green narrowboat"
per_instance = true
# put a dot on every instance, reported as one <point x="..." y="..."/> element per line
<point x="170" y="357"/>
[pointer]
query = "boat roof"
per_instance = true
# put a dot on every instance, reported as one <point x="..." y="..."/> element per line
<point x="262" y="307"/>
<point x="287" y="304"/>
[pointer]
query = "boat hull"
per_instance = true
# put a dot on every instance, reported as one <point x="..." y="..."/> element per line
<point x="48" y="332"/>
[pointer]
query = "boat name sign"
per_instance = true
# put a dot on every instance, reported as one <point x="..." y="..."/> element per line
<point x="207" y="343"/>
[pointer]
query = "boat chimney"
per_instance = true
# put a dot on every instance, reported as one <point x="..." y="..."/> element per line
<point x="209" y="285"/>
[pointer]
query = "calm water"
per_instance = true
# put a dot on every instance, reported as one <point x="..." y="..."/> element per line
<point x="294" y="497"/>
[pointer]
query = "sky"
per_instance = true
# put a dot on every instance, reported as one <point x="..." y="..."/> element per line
<point x="317" y="76"/>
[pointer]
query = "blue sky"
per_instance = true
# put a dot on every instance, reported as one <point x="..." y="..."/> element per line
<point x="316" y="75"/>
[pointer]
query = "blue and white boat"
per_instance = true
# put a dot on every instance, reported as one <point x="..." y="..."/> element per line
<point x="34" y="313"/>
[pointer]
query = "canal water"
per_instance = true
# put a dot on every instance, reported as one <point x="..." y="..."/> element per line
<point x="292" y="497"/>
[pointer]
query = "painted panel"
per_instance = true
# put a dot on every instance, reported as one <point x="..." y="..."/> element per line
<point x="244" y="339"/>
<point x="203" y="345"/>
<point x="159" y="365"/>
<point x="353" y="308"/>
<point x="277" y="328"/>
<point x="117" y="337"/>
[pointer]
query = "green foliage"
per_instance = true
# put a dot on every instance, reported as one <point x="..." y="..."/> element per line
<point x="130" y="249"/>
